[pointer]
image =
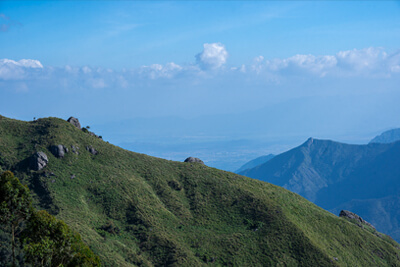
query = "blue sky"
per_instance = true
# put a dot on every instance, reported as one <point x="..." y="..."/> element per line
<point x="126" y="34"/>
<point x="265" y="70"/>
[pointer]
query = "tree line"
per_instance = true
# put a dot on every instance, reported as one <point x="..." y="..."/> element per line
<point x="32" y="237"/>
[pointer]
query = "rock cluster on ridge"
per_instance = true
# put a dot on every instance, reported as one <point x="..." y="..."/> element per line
<point x="351" y="215"/>
<point x="75" y="122"/>
<point x="192" y="159"/>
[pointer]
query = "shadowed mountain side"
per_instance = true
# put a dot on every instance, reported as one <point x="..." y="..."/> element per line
<point x="255" y="162"/>
<point x="376" y="176"/>
<point x="331" y="174"/>
<point x="314" y="165"/>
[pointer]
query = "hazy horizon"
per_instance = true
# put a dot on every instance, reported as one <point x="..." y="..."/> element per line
<point x="226" y="80"/>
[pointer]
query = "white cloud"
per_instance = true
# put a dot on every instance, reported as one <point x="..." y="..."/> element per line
<point x="71" y="70"/>
<point x="361" y="63"/>
<point x="30" y="63"/>
<point x="357" y="62"/>
<point x="258" y="64"/>
<point x="393" y="62"/>
<point x="299" y="64"/>
<point x="361" y="60"/>
<point x="213" y="56"/>
<point x="97" y="83"/>
<point x="27" y="63"/>
<point x="86" y="69"/>
<point x="15" y="70"/>
<point x="155" y="71"/>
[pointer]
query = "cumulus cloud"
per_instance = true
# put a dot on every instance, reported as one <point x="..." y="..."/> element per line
<point x="369" y="62"/>
<point x="26" y="63"/>
<point x="362" y="60"/>
<point x="213" y="56"/>
<point x="155" y="71"/>
<point x="14" y="70"/>
<point x="356" y="62"/>
<point x="258" y="65"/>
<point x="299" y="64"/>
<point x="393" y="62"/>
<point x="97" y="83"/>
<point x="86" y="69"/>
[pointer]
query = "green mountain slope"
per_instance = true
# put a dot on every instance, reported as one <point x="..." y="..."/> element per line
<point x="136" y="210"/>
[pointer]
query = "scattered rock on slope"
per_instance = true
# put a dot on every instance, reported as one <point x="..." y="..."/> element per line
<point x="75" y="122"/>
<point x="75" y="149"/>
<point x="39" y="160"/>
<point x="192" y="159"/>
<point x="95" y="135"/>
<point x="92" y="150"/>
<point x="350" y="215"/>
<point x="58" y="151"/>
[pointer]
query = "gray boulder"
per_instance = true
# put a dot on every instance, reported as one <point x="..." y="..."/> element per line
<point x="58" y="151"/>
<point x="38" y="161"/>
<point x="352" y="216"/>
<point x="75" y="122"/>
<point x="192" y="159"/>
<point x="92" y="150"/>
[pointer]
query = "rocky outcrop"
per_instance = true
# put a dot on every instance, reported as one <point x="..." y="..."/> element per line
<point x="86" y="130"/>
<point x="58" y="151"/>
<point x="192" y="159"/>
<point x="95" y="135"/>
<point x="355" y="218"/>
<point x="92" y="150"/>
<point x="38" y="161"/>
<point x="75" y="122"/>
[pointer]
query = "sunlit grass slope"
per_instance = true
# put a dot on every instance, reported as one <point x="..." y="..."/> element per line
<point x="137" y="210"/>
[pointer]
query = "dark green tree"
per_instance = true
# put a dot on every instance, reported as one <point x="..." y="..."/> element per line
<point x="15" y="205"/>
<point x="50" y="242"/>
<point x="47" y="240"/>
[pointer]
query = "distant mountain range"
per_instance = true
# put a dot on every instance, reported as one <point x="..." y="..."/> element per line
<point x="361" y="178"/>
<point x="255" y="162"/>
<point x="387" y="137"/>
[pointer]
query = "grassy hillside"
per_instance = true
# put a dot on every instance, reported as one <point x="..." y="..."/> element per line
<point x="136" y="210"/>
